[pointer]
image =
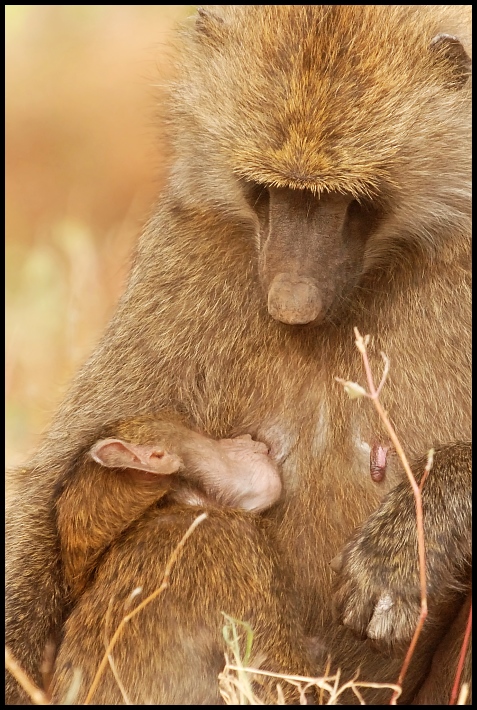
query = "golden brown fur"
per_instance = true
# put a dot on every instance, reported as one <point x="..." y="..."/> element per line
<point x="118" y="479"/>
<point x="333" y="99"/>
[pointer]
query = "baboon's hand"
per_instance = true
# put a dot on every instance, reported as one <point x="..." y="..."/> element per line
<point x="377" y="591"/>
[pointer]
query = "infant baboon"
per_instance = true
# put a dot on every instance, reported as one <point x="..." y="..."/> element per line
<point x="236" y="472"/>
<point x="319" y="180"/>
<point x="151" y="460"/>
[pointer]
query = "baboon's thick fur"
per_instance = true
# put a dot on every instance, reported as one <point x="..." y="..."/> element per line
<point x="345" y="99"/>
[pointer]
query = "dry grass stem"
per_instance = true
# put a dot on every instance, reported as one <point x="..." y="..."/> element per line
<point x="373" y="394"/>
<point x="37" y="696"/>
<point x="112" y="664"/>
<point x="463" y="695"/>
<point x="460" y="665"/>
<point x="304" y="683"/>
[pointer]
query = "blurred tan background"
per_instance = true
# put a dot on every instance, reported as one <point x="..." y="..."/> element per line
<point x="83" y="167"/>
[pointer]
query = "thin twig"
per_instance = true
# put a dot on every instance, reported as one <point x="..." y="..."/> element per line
<point x="112" y="664"/>
<point x="164" y="584"/>
<point x="374" y="395"/>
<point x="327" y="670"/>
<point x="47" y="667"/>
<point x="460" y="664"/>
<point x="320" y="682"/>
<point x="430" y="461"/>
<point x="118" y="680"/>
<point x="37" y="696"/>
<point x="358" y="695"/>
<point x="272" y="674"/>
<point x="463" y="695"/>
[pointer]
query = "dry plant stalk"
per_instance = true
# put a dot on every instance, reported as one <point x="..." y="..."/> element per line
<point x="36" y="695"/>
<point x="237" y="691"/>
<point x="235" y="683"/>
<point x="463" y="695"/>
<point x="304" y="683"/>
<point x="164" y="584"/>
<point x="356" y="390"/>
<point x="460" y="665"/>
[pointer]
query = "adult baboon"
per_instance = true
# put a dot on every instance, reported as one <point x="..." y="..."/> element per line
<point x="319" y="180"/>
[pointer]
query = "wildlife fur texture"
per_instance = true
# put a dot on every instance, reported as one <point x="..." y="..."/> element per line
<point x="361" y="114"/>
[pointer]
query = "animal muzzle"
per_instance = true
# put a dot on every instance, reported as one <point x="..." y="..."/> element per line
<point x="294" y="300"/>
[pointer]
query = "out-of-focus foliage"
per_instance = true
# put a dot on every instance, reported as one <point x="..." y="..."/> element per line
<point x="83" y="165"/>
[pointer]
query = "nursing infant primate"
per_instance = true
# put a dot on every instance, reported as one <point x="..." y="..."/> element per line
<point x="152" y="460"/>
<point x="319" y="180"/>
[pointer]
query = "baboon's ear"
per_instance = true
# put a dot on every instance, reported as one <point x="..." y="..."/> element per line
<point x="116" y="453"/>
<point x="458" y="65"/>
<point x="210" y="27"/>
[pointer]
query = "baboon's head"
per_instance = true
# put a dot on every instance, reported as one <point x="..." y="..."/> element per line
<point x="340" y="131"/>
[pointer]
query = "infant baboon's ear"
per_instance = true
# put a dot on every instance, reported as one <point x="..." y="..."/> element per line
<point x="116" y="453"/>
<point x="456" y="60"/>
